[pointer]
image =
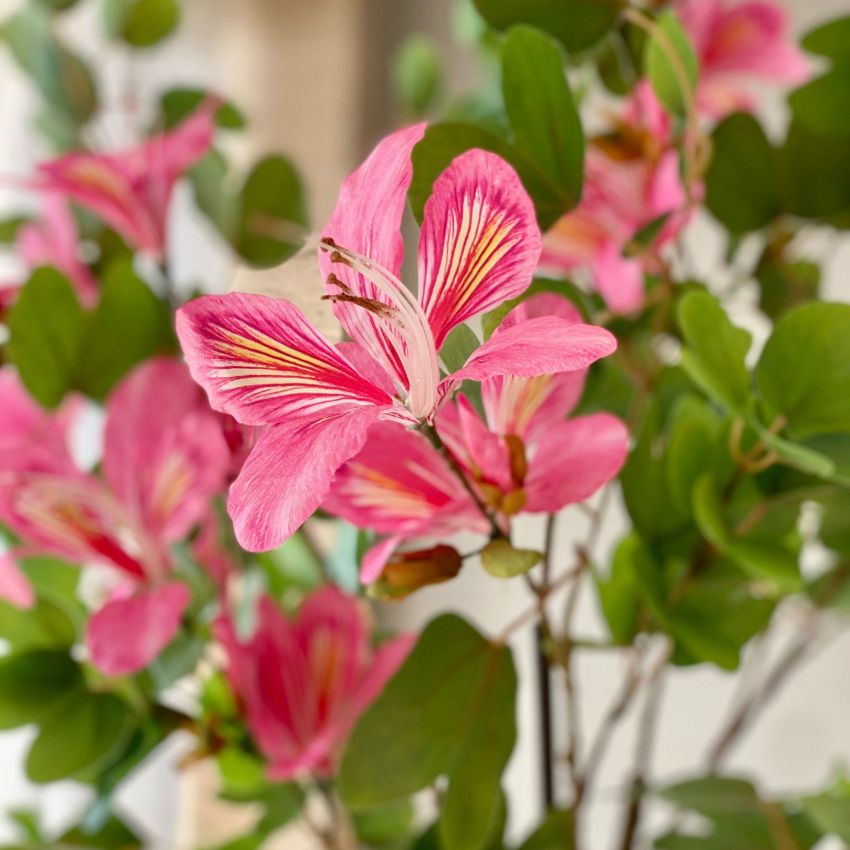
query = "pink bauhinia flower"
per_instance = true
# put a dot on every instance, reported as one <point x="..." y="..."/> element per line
<point x="261" y="361"/>
<point x="52" y="240"/>
<point x="164" y="458"/>
<point x="524" y="456"/>
<point x="304" y="682"/>
<point x="130" y="190"/>
<point x="735" y="43"/>
<point x="632" y="180"/>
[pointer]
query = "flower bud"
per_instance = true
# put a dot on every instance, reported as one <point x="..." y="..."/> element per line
<point x="408" y="571"/>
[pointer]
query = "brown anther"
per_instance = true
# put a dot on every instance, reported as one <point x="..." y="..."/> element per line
<point x="513" y="502"/>
<point x="376" y="307"/>
<point x="333" y="280"/>
<point x="516" y="456"/>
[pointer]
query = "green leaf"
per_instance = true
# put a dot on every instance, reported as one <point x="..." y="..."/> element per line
<point x="458" y="347"/>
<point x="33" y="683"/>
<point x="502" y="560"/>
<point x="46" y="330"/>
<point x="619" y="592"/>
<point x="804" y="458"/>
<point x="824" y="103"/>
<point x="142" y="23"/>
<point x="61" y="77"/>
<point x="449" y="710"/>
<point x="742" y="181"/>
<point x="113" y="834"/>
<point x="830" y="810"/>
<point x="417" y="75"/>
<point x="553" y="834"/>
<point x="272" y="213"/>
<point x="708" y="512"/>
<point x="714" y="357"/>
<point x="82" y="731"/>
<point x="9" y="228"/>
<point x="784" y="285"/>
<point x="671" y="64"/>
<point x="804" y="369"/>
<point x="179" y="103"/>
<point x="541" y="110"/>
<point x="46" y="626"/>
<point x="575" y="23"/>
<point x="713" y="795"/>
<point x="832" y="40"/>
<point x="128" y="325"/>
<point x="384" y="826"/>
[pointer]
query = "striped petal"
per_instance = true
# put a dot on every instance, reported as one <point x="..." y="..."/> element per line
<point x="367" y="220"/>
<point x="261" y="361"/>
<point x="288" y="474"/>
<point x="479" y="244"/>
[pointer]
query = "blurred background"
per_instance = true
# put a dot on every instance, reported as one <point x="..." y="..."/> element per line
<point x="319" y="81"/>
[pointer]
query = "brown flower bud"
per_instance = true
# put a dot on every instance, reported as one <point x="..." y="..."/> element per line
<point x="408" y="571"/>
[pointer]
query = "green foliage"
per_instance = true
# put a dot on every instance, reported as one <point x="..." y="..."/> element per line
<point x="577" y="24"/>
<point x="57" y="346"/>
<point x="458" y="347"/>
<point x="33" y="683"/>
<point x="272" y="214"/>
<point x="671" y="64"/>
<point x="417" y="75"/>
<point x="830" y="810"/>
<point x="141" y="23"/>
<point x="61" y="77"/>
<point x="548" y="144"/>
<point x="742" y="190"/>
<point x="714" y="357"/>
<point x="178" y="104"/>
<point x="804" y="370"/>
<point x="831" y="40"/>
<point x="503" y="560"/>
<point x="449" y="710"/>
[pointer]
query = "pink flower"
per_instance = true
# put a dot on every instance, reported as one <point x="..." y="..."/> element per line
<point x="164" y="458"/>
<point x="525" y="456"/>
<point x="631" y="180"/>
<point x="262" y="362"/>
<point x="131" y="190"/>
<point x="305" y="681"/>
<point x="736" y="42"/>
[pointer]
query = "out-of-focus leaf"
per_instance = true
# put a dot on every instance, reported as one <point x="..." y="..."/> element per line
<point x="619" y="594"/>
<point x="503" y="560"/>
<point x="128" y="325"/>
<point x="714" y="357"/>
<point x="541" y="110"/>
<point x="46" y="331"/>
<point x="575" y="23"/>
<point x="786" y="284"/>
<point x="61" y="77"/>
<point x="384" y="826"/>
<point x="804" y="369"/>
<point x="673" y="79"/>
<point x="272" y="214"/>
<point x="141" y="23"/>
<point x="46" y="626"/>
<point x="84" y="729"/>
<point x="33" y="683"/>
<point x="178" y="104"/>
<point x="417" y="75"/>
<point x="832" y="40"/>
<point x="553" y="834"/>
<point x="414" y="732"/>
<point x="114" y="834"/>
<point x="741" y="184"/>
<point x="9" y="228"/>
<point x="830" y="810"/>
<point x="458" y="347"/>
<point x="824" y="103"/>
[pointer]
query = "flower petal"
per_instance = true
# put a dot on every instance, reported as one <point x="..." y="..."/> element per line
<point x="397" y="484"/>
<point x="165" y="454"/>
<point x="479" y="244"/>
<point x="127" y="634"/>
<point x="367" y="220"/>
<point x="573" y="459"/>
<point x="260" y="360"/>
<point x="619" y="279"/>
<point x="288" y="474"/>
<point x="14" y="585"/>
<point x="376" y="557"/>
<point x="539" y="346"/>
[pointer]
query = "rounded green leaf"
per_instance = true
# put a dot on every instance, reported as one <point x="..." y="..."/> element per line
<point x="417" y="74"/>
<point x="143" y="23"/>
<point x="824" y="103"/>
<point x="502" y="560"/>
<point x="832" y="40"/>
<point x="575" y="23"/>
<point x="804" y="370"/>
<point x="83" y="730"/>
<point x="32" y="683"/>
<point x="671" y="64"/>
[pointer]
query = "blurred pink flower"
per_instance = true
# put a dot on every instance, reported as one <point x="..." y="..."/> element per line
<point x="304" y="682"/>
<point x="631" y="181"/>
<point x="262" y="362"/>
<point x="735" y="43"/>
<point x="131" y="190"/>
<point x="526" y="456"/>
<point x="164" y="458"/>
